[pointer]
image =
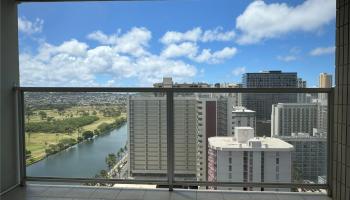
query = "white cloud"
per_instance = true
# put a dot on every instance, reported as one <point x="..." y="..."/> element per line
<point x="74" y="63"/>
<point x="133" y="42"/>
<point x="262" y="21"/>
<point x="177" y="50"/>
<point x="152" y="68"/>
<point x="217" y="34"/>
<point x="287" y="58"/>
<point x="322" y="51"/>
<point x="238" y="71"/>
<point x="215" y="57"/>
<point x="197" y="35"/>
<point x="190" y="50"/>
<point x="29" y="27"/>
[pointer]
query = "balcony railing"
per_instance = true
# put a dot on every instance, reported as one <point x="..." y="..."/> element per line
<point x="169" y="93"/>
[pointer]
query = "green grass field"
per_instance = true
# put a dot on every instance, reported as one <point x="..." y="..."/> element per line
<point x="38" y="142"/>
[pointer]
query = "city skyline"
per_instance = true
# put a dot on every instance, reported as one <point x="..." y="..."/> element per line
<point x="124" y="44"/>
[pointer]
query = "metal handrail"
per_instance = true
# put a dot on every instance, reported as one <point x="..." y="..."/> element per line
<point x="170" y="133"/>
<point x="174" y="89"/>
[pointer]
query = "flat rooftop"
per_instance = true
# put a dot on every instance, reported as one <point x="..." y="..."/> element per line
<point x="231" y="144"/>
<point x="241" y="109"/>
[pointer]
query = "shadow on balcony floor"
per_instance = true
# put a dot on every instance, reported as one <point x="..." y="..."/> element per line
<point x="38" y="192"/>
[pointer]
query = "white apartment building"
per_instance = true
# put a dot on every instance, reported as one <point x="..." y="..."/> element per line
<point x="147" y="136"/>
<point x="245" y="158"/>
<point x="288" y="118"/>
<point x="310" y="156"/>
<point x="241" y="116"/>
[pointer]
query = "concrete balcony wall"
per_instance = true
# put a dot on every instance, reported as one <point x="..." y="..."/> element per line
<point x="9" y="77"/>
<point x="341" y="135"/>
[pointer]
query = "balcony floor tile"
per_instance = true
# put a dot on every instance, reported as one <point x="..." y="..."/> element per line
<point x="35" y="192"/>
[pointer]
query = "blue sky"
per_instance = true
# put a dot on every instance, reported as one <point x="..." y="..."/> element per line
<point x="137" y="43"/>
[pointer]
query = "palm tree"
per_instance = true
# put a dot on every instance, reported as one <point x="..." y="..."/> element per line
<point x="111" y="160"/>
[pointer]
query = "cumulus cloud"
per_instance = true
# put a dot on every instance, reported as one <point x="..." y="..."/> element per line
<point x="190" y="50"/>
<point x="287" y="58"/>
<point x="322" y="51"/>
<point x="238" y="71"/>
<point x="184" y="49"/>
<point x="30" y="27"/>
<point x="262" y="21"/>
<point x="133" y="42"/>
<point x="74" y="63"/>
<point x="197" y="35"/>
<point x="216" y="57"/>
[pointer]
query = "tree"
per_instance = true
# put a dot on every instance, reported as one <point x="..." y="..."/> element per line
<point x="80" y="139"/>
<point x="96" y="132"/>
<point x="111" y="160"/>
<point x="61" y="146"/>
<point x="88" y="135"/>
<point x="42" y="114"/>
<point x="69" y="130"/>
<point x="28" y="113"/>
<point x="49" y="119"/>
<point x="103" y="174"/>
<point x="60" y="110"/>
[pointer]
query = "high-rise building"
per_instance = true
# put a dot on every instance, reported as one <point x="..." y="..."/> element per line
<point x="207" y="126"/>
<point x="245" y="158"/>
<point x="310" y="156"/>
<point x="236" y="97"/>
<point x="241" y="116"/>
<point x="322" y="117"/>
<point x="303" y="97"/>
<point x="301" y="83"/>
<point x="261" y="103"/>
<point x="325" y="80"/>
<point x="213" y="114"/>
<point x="288" y="118"/>
<point x="147" y="136"/>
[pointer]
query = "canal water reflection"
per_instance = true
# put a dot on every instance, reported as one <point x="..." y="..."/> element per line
<point x="84" y="160"/>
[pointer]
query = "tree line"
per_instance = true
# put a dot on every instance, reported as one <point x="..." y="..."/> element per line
<point x="86" y="135"/>
<point x="60" y="126"/>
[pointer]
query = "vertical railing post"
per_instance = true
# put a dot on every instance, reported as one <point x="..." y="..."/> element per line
<point x="21" y="136"/>
<point x="170" y="137"/>
<point x="330" y="135"/>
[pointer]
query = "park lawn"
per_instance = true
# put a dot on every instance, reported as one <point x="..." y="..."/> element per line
<point x="95" y="124"/>
<point x="38" y="142"/>
<point x="73" y="111"/>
